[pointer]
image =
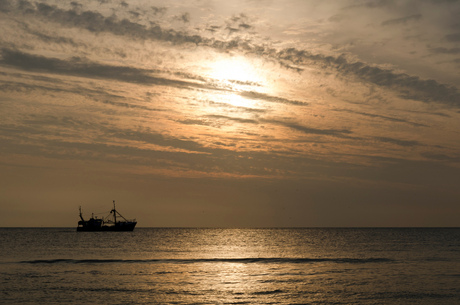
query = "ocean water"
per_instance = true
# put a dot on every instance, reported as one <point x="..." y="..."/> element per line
<point x="230" y="266"/>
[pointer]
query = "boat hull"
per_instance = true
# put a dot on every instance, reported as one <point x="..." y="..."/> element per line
<point x="119" y="227"/>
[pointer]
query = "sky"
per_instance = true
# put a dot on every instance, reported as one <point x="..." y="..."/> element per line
<point x="256" y="113"/>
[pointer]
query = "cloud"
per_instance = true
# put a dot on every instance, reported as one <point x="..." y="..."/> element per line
<point x="81" y="67"/>
<point x="130" y="105"/>
<point x="405" y="143"/>
<point x="441" y="157"/>
<point x="213" y="28"/>
<point x="441" y="50"/>
<point x="269" y="98"/>
<point x="409" y="87"/>
<point x="185" y="18"/>
<point x="372" y="4"/>
<point x="453" y="37"/>
<point x="238" y="120"/>
<point x="203" y="122"/>
<point x="238" y="23"/>
<point x="383" y="117"/>
<point x="55" y="133"/>
<point x="339" y="133"/>
<point x="96" y="22"/>
<point x="159" y="10"/>
<point x="84" y="68"/>
<point x="403" y="20"/>
<point x="55" y="39"/>
<point x="215" y="120"/>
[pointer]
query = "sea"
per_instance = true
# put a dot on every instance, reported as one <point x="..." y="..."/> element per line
<point x="230" y="266"/>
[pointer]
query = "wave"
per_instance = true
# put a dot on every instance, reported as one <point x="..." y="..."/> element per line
<point x="268" y="292"/>
<point x="258" y="260"/>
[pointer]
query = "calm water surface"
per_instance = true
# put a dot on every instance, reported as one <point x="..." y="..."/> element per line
<point x="230" y="266"/>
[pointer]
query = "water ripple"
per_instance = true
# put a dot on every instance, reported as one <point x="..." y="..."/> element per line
<point x="258" y="260"/>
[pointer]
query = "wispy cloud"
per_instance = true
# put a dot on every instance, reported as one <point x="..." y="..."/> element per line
<point x="455" y="37"/>
<point x="408" y="86"/>
<point x="442" y="50"/>
<point x="383" y="117"/>
<point x="340" y="133"/>
<point x="266" y="97"/>
<point x="408" y="143"/>
<point x="85" y="68"/>
<point x="402" y="20"/>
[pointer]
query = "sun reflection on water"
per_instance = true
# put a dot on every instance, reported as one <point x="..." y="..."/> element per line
<point x="222" y="266"/>
<point x="232" y="266"/>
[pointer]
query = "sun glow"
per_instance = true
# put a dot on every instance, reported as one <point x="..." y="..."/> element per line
<point x="237" y="70"/>
<point x="238" y="75"/>
<point x="237" y="100"/>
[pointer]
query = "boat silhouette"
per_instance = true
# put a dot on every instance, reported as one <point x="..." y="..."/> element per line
<point x="113" y="222"/>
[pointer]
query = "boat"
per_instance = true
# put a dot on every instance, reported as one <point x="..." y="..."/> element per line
<point x="113" y="222"/>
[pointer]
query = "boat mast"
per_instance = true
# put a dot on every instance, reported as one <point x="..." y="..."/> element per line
<point x="114" y="212"/>
<point x="81" y="216"/>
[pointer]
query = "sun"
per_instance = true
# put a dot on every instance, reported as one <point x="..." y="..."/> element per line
<point x="236" y="74"/>
<point x="235" y="70"/>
